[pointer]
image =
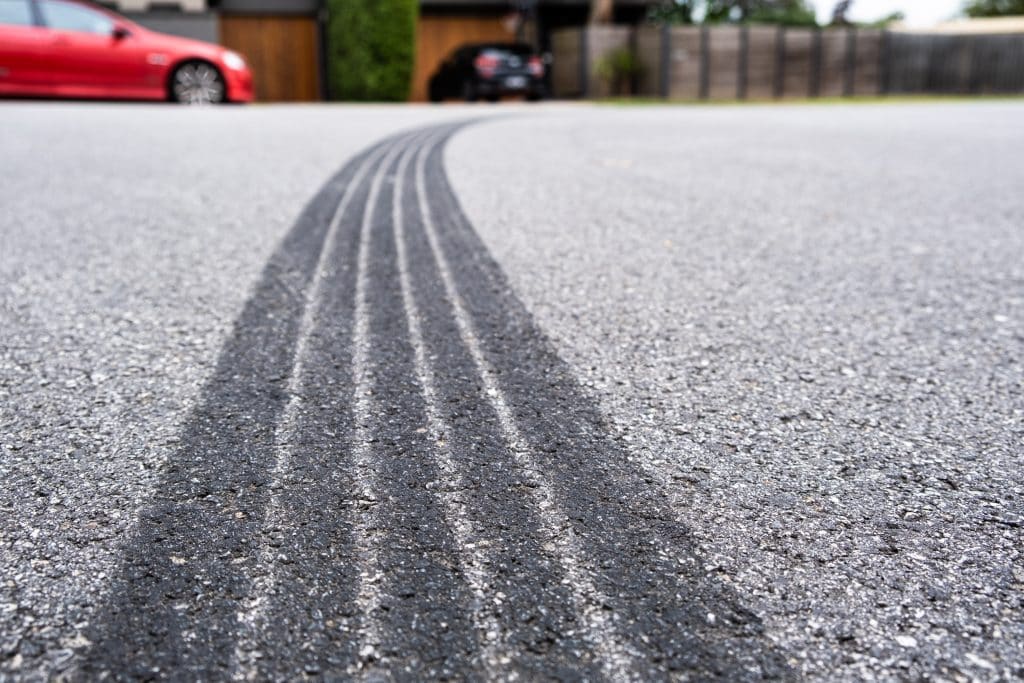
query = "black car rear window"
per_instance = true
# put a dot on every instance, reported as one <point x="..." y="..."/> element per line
<point x="506" y="50"/>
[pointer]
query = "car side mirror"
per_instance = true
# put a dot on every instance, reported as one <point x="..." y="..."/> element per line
<point x="120" y="32"/>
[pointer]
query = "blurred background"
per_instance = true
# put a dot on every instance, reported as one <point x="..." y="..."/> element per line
<point x="308" y="50"/>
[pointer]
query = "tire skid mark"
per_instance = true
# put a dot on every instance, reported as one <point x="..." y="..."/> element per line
<point x="422" y="603"/>
<point x="588" y="601"/>
<point x="281" y="510"/>
<point x="172" y="603"/>
<point x="391" y="474"/>
<point x="637" y="550"/>
<point x="527" y="591"/>
<point x="367" y="529"/>
<point x="494" y="647"/>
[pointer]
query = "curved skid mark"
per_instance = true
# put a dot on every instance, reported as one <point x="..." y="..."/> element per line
<point x="589" y="602"/>
<point x="366" y="523"/>
<point x="473" y="558"/>
<point x="253" y="612"/>
<point x="309" y="525"/>
<point x="638" y="549"/>
<point x="173" y="603"/>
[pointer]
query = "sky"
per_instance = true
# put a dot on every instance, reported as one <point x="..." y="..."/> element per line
<point x="919" y="12"/>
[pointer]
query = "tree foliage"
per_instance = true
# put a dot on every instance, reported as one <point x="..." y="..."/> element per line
<point x="885" y="21"/>
<point x="787" y="12"/>
<point x="671" y="12"/>
<point x="371" y="48"/>
<point x="994" y="8"/>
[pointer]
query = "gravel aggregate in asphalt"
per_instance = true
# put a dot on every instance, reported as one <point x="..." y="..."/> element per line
<point x="767" y="361"/>
<point x="807" y="323"/>
<point x="131" y="237"/>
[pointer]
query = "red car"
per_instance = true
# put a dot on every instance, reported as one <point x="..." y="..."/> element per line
<point x="71" y="48"/>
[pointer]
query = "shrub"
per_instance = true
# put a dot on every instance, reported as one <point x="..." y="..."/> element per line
<point x="370" y="49"/>
<point x="619" y="68"/>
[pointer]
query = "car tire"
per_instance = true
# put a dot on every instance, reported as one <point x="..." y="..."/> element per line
<point x="434" y="94"/>
<point x="197" y="83"/>
<point x="469" y="91"/>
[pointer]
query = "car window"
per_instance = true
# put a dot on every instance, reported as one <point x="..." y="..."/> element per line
<point x="68" y="16"/>
<point x="15" y="13"/>
<point x="506" y="51"/>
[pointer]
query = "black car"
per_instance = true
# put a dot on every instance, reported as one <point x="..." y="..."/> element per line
<point x="489" y="70"/>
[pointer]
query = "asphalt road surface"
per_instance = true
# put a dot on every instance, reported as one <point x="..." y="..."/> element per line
<point x="561" y="392"/>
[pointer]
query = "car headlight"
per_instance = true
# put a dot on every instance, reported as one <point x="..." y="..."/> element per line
<point x="233" y="60"/>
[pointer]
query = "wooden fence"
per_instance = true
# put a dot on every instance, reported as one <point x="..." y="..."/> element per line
<point x="577" y="55"/>
<point x="760" y="62"/>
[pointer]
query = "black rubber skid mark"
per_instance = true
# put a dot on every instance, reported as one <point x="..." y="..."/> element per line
<point x="310" y="596"/>
<point x="425" y="613"/>
<point x="172" y="607"/>
<point x="642" y="558"/>
<point x="537" y="610"/>
<point x="192" y="564"/>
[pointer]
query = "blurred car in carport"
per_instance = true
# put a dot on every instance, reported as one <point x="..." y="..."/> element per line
<point x="489" y="70"/>
<point x="74" y="49"/>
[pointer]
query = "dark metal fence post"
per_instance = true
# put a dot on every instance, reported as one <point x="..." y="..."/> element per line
<point x="705" y="62"/>
<point x="814" y="86"/>
<point x="741" y="79"/>
<point x="666" y="60"/>
<point x="780" y="61"/>
<point x="851" y="62"/>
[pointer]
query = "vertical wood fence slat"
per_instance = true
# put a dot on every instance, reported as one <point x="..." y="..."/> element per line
<point x="584" y="63"/>
<point x="883" y="64"/>
<point x="666" y="60"/>
<point x="814" y="87"/>
<point x="780" y="61"/>
<point x="851" y="61"/>
<point x="705" y="62"/>
<point x="741" y="77"/>
<point x="634" y="77"/>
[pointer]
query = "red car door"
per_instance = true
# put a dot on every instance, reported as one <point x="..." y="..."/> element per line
<point x="23" y="50"/>
<point x="87" y="56"/>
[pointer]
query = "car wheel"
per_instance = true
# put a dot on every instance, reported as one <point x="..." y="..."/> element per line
<point x="197" y="83"/>
<point x="469" y="91"/>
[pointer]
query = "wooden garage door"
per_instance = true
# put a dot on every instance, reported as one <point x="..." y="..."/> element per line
<point x="282" y="52"/>
<point x="437" y="36"/>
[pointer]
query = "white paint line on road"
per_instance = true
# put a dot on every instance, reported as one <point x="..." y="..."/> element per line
<point x="255" y="608"/>
<point x="588" y="600"/>
<point x="472" y="558"/>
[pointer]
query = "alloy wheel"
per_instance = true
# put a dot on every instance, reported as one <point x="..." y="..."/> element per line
<point x="198" y="84"/>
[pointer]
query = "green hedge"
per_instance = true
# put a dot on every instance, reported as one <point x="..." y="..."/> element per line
<point x="370" y="49"/>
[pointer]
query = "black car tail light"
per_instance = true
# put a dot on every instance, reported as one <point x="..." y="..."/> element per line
<point x="486" y="65"/>
<point x="536" y="67"/>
